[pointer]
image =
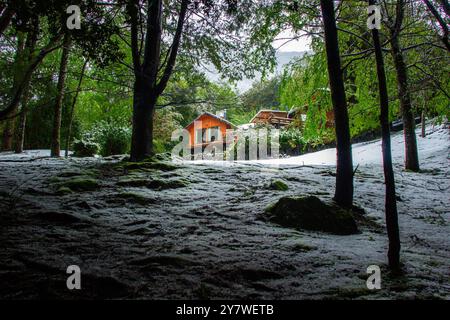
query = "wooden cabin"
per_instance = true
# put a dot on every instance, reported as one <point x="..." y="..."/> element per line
<point x="211" y="129"/>
<point x="276" y="118"/>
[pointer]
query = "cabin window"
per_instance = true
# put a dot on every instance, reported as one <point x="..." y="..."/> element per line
<point x="199" y="135"/>
<point x="213" y="134"/>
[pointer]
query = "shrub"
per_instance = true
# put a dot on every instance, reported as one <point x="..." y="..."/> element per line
<point x="112" y="138"/>
<point x="291" y="141"/>
<point x="85" y="148"/>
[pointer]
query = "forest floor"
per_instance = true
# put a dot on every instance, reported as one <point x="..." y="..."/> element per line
<point x="192" y="230"/>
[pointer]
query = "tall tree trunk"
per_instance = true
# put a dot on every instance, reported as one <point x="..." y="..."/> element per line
<point x="21" y="123"/>
<point x="411" y="154"/>
<point x="8" y="131"/>
<point x="147" y="88"/>
<point x="145" y="95"/>
<point x="72" y="108"/>
<point x="30" y="46"/>
<point x="56" y="148"/>
<point x="143" y="115"/>
<point x="5" y="18"/>
<point x="344" y="167"/>
<point x="390" y="198"/>
<point x="423" y="120"/>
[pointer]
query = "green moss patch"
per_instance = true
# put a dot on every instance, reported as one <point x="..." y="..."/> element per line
<point x="148" y="164"/>
<point x="278" y="185"/>
<point x="78" y="172"/>
<point x="310" y="213"/>
<point x="63" y="190"/>
<point x="135" y="197"/>
<point x="156" y="184"/>
<point x="166" y="184"/>
<point x="80" y="184"/>
<point x="130" y="182"/>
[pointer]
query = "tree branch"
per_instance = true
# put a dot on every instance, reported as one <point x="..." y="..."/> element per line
<point x="174" y="49"/>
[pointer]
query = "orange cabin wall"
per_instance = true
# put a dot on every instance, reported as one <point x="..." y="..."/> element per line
<point x="207" y="122"/>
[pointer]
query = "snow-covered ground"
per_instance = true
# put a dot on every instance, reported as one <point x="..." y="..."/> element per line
<point x="364" y="153"/>
<point x="205" y="240"/>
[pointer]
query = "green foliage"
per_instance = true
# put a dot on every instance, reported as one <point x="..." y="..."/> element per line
<point x="305" y="88"/>
<point x="236" y="40"/>
<point x="112" y="138"/>
<point x="291" y="140"/>
<point x="85" y="148"/>
<point x="262" y="95"/>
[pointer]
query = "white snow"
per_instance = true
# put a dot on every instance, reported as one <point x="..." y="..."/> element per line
<point x="365" y="153"/>
<point x="206" y="241"/>
<point x="28" y="154"/>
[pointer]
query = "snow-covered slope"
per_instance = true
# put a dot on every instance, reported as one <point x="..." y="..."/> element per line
<point x="367" y="153"/>
<point x="204" y="240"/>
<point x="434" y="147"/>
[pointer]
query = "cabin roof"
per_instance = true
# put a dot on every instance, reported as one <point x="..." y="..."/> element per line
<point x="211" y="115"/>
<point x="268" y="110"/>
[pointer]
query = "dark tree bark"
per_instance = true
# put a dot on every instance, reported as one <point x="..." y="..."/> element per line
<point x="411" y="154"/>
<point x="442" y="23"/>
<point x="72" y="108"/>
<point x="5" y="18"/>
<point x="147" y="89"/>
<point x="30" y="46"/>
<point x="423" y="119"/>
<point x="56" y="133"/>
<point x="8" y="132"/>
<point x="390" y="198"/>
<point x="344" y="167"/>
<point x="19" y="60"/>
<point x="21" y="123"/>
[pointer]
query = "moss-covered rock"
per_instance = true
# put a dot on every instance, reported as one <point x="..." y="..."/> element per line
<point x="63" y="190"/>
<point x="135" y="197"/>
<point x="80" y="184"/>
<point x="278" y="185"/>
<point x="133" y="182"/>
<point x="301" y="247"/>
<point x="310" y="213"/>
<point x="166" y="184"/>
<point x="148" y="165"/>
<point x="156" y="184"/>
<point x="166" y="156"/>
<point x="80" y="172"/>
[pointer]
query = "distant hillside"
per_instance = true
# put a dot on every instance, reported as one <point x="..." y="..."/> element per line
<point x="283" y="58"/>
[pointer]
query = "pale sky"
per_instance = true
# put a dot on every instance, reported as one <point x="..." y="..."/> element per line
<point x="301" y="44"/>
